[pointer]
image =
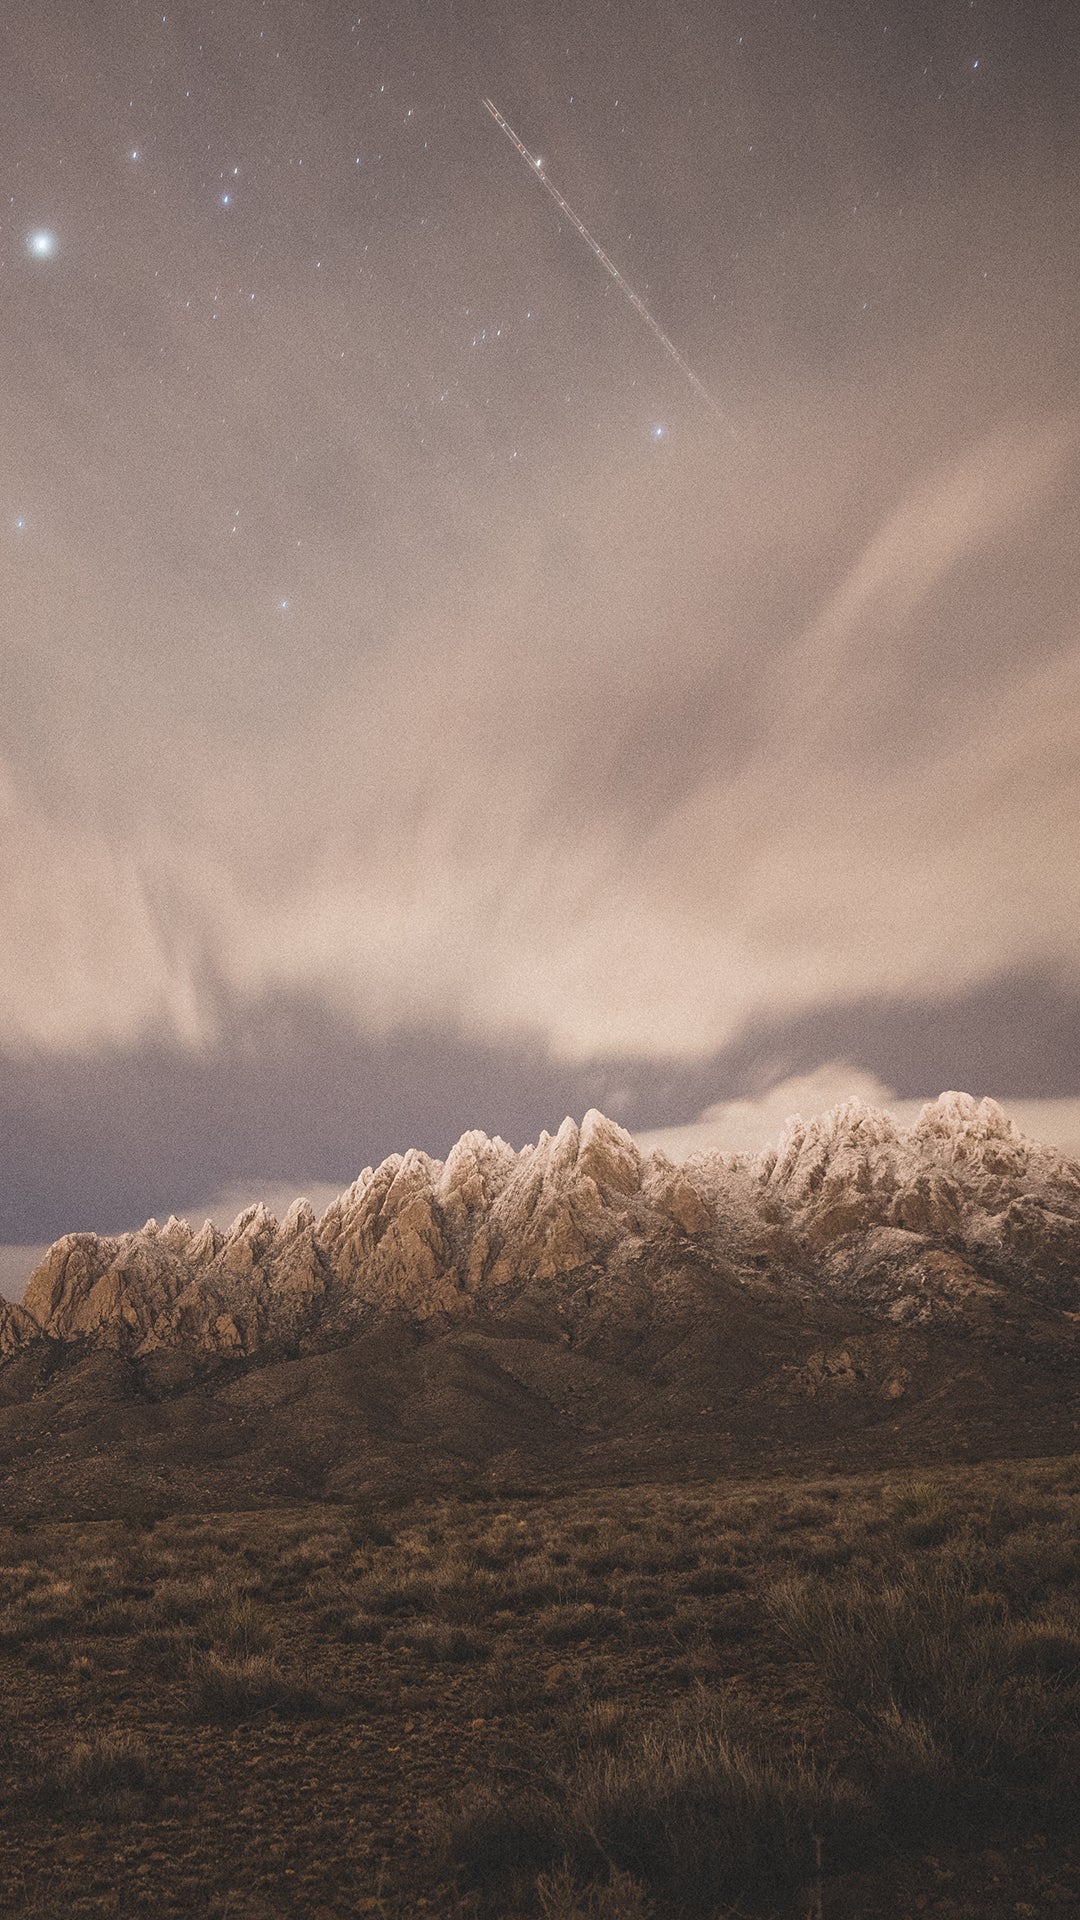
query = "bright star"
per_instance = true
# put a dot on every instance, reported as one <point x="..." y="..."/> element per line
<point x="134" y="154"/>
<point x="42" y="244"/>
<point x="284" y="605"/>
<point x="659" y="433"/>
<point x="226" y="199"/>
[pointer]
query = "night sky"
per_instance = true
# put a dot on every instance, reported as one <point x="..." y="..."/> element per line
<point x="419" y="708"/>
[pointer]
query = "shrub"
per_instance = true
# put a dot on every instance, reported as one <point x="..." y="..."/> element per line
<point x="710" y="1580"/>
<point x="437" y="1640"/>
<point x="494" y="1835"/>
<point x="688" y="1805"/>
<point x="1049" y="1647"/>
<point x="959" y="1720"/>
<point x="603" y="1723"/>
<point x="693" y="1805"/>
<point x="112" y="1616"/>
<point x="559" y="1626"/>
<point x="395" y="1594"/>
<point x="359" y="1629"/>
<point x="161" y="1650"/>
<point x="238" y="1624"/>
<point x="184" y="1600"/>
<point x="1031" y="1565"/>
<point x="15" y="1626"/>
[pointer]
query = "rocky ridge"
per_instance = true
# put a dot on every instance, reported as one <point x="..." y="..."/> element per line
<point x="949" y="1223"/>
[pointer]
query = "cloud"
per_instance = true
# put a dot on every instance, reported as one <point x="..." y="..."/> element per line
<point x="607" y="803"/>
<point x="750" y="1125"/>
<point x="631" y="746"/>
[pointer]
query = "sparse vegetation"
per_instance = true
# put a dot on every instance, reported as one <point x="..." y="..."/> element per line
<point x="624" y="1704"/>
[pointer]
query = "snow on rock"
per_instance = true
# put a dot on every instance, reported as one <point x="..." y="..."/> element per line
<point x="566" y="1202"/>
<point x="206" y="1245"/>
<point x="963" y="1158"/>
<point x="677" y="1193"/>
<point x="922" y="1225"/>
<point x="299" y="1219"/>
<point x="110" y="1287"/>
<point x="607" y="1155"/>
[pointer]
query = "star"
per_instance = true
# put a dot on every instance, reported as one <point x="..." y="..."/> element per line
<point x="42" y="244"/>
<point x="659" y="433"/>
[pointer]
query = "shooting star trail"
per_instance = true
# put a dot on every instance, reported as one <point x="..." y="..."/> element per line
<point x="536" y="167"/>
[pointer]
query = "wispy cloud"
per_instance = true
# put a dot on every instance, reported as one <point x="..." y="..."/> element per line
<point x="631" y="745"/>
<point x="512" y="816"/>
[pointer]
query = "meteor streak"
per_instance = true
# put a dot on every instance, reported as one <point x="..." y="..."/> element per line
<point x="536" y="166"/>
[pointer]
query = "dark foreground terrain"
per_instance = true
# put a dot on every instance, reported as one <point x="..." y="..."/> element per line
<point x="846" y="1695"/>
<point x="547" y="1535"/>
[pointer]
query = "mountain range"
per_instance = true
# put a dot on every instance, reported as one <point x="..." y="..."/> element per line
<point x="858" y="1288"/>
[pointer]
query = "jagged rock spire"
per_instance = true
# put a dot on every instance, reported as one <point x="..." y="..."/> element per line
<point x="490" y="1227"/>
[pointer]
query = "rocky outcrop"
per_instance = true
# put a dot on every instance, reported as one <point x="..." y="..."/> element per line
<point x="16" y="1328"/>
<point x="962" y="1177"/>
<point x="943" y="1224"/>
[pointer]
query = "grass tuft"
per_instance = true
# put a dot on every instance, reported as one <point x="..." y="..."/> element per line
<point x="105" y="1774"/>
<point x="227" y="1689"/>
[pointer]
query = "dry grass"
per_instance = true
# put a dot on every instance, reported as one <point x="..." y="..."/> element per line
<point x="688" y="1803"/>
<point x="108" y="1773"/>
<point x="560" y="1897"/>
<point x="613" y="1705"/>
<point x="968" y="1713"/>
<point x="228" y="1689"/>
